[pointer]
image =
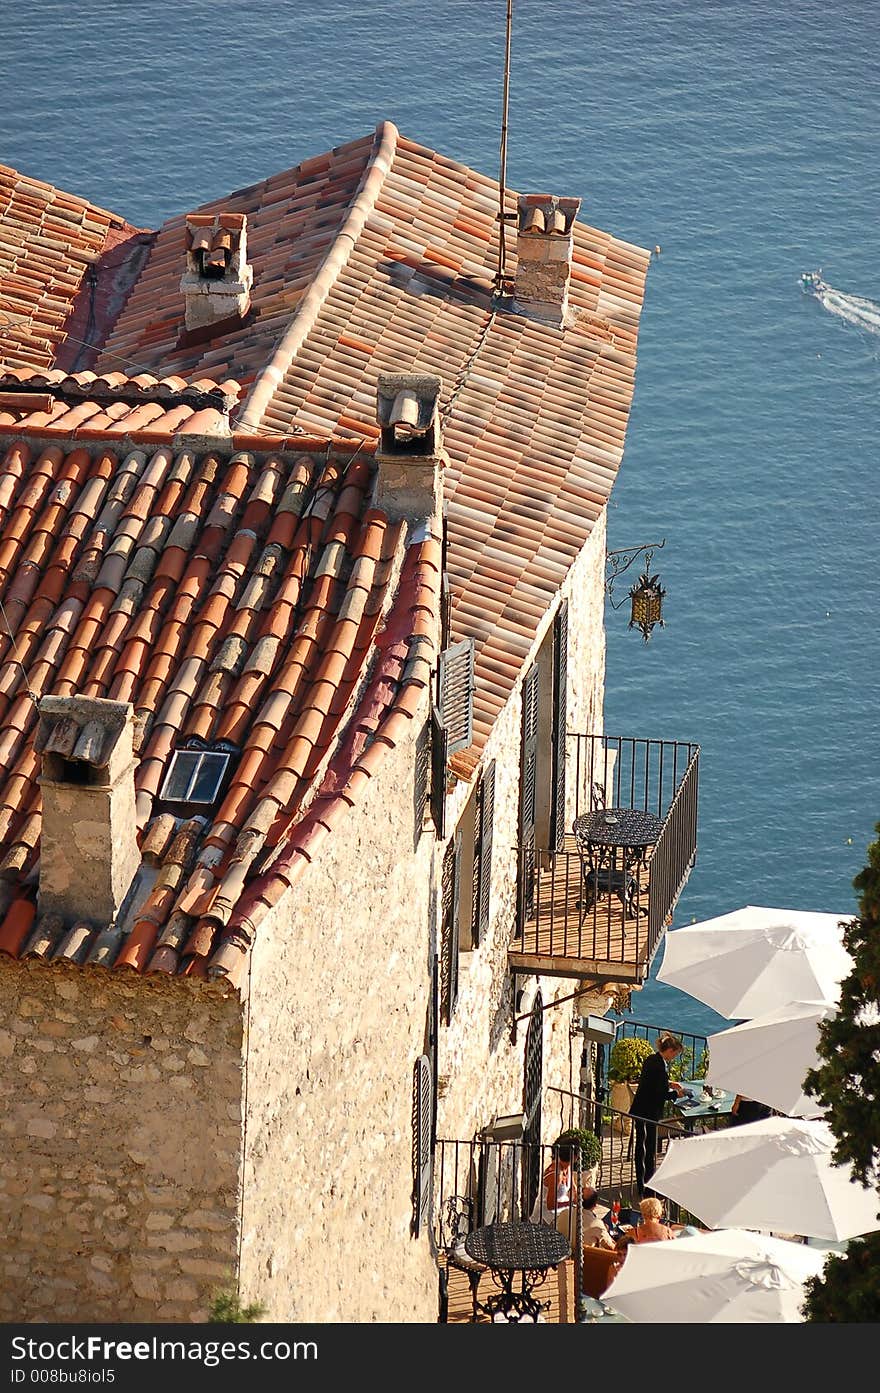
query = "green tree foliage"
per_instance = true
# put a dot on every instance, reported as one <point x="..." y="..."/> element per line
<point x="848" y="1291"/>
<point x="847" y="1084"/>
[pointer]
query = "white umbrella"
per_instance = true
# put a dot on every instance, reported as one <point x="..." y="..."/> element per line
<point x="767" y="1058"/>
<point x="755" y="959"/>
<point x="714" y="1279"/>
<point x="775" y="1175"/>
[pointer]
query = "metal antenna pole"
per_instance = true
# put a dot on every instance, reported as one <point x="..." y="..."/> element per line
<point x="502" y="241"/>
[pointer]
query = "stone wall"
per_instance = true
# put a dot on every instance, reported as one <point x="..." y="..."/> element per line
<point x="121" y="1124"/>
<point x="481" y="1068"/>
<point x="337" y="1017"/>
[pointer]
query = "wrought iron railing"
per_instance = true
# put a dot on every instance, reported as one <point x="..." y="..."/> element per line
<point x="692" y="1062"/>
<point x="614" y="916"/>
<point x="483" y="1182"/>
<point x="616" y="1178"/>
<point x="486" y="1182"/>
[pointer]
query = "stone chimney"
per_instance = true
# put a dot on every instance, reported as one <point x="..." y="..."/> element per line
<point x="410" y="454"/>
<point x="217" y="282"/>
<point x="544" y="243"/>
<point x="88" y="851"/>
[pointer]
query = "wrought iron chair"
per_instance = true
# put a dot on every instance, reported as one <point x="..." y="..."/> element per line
<point x="600" y="876"/>
<point x="456" y="1222"/>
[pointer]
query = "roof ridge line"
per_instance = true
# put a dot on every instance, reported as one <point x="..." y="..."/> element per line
<point x="272" y="375"/>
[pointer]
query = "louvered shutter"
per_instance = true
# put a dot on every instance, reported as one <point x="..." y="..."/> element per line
<point x="421" y="779"/>
<point x="456" y="683"/>
<point x="445" y="611"/>
<point x="483" y="854"/>
<point x="560" y="713"/>
<point x="527" y="794"/>
<point x="422" y="1153"/>
<point x="434" y="1043"/>
<point x="439" y="760"/>
<point x="450" y="893"/>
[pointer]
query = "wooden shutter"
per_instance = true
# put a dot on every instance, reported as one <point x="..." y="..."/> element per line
<point x="450" y="893"/>
<point x="560" y="713"/>
<point x="483" y="854"/>
<point x="421" y="780"/>
<point x="533" y="1085"/>
<point x="527" y="794"/>
<point x="439" y="760"/>
<point x="456" y="685"/>
<point x="422" y="1152"/>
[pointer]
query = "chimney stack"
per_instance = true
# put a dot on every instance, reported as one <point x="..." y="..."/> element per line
<point x="544" y="243"/>
<point x="410" y="454"/>
<point x="217" y="282"/>
<point x="88" y="849"/>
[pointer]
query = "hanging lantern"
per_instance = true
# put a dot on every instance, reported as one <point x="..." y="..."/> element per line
<point x="647" y="604"/>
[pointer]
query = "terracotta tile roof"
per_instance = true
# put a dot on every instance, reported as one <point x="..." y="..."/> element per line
<point x="293" y="219"/>
<point x="534" y="416"/>
<point x="380" y="257"/>
<point x="248" y="597"/>
<point x="84" y="405"/>
<point x="49" y="240"/>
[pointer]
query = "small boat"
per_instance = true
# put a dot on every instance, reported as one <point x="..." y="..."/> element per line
<point x="812" y="282"/>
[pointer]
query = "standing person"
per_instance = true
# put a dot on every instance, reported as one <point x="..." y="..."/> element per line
<point x="654" y="1088"/>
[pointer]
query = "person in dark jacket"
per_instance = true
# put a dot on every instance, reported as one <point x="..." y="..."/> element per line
<point x="654" y="1088"/>
<point x="745" y="1109"/>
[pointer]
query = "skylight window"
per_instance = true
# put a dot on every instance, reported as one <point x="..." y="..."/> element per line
<point x="194" y="776"/>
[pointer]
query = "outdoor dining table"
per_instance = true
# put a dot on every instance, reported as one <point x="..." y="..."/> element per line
<point x="693" y="1108"/>
<point x="600" y="834"/>
<point x="525" y="1251"/>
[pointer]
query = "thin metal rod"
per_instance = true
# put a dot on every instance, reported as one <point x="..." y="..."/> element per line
<point x="618" y="567"/>
<point x="502" y="240"/>
<point x="560" y="1001"/>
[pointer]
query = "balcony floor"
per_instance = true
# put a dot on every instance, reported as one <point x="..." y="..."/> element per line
<point x="559" y="1289"/>
<point x="600" y="943"/>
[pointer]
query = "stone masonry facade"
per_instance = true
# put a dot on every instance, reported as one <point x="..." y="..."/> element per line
<point x="149" y="1123"/>
<point x="121" y="1126"/>
<point x="338" y="1015"/>
<point x="481" y="1073"/>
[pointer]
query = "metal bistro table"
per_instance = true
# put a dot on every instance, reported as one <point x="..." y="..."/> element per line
<point x="599" y="834"/>
<point x="507" y="1249"/>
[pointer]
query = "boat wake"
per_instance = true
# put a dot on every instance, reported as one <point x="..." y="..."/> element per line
<point x="854" y="309"/>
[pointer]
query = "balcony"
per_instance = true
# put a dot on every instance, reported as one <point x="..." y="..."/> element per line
<point x="564" y="928"/>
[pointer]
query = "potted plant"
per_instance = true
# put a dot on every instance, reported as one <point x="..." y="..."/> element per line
<point x="628" y="1054"/>
<point x="586" y="1151"/>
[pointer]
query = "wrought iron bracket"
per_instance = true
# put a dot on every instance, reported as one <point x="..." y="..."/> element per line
<point x="618" y="566"/>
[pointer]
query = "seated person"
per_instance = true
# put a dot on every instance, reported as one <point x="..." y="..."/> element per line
<point x="621" y="1247"/>
<point x="554" y="1196"/>
<point x="651" y="1229"/>
<point x="593" y="1232"/>
<point x="744" y="1109"/>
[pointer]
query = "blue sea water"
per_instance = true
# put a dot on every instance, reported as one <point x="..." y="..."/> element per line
<point x="742" y="138"/>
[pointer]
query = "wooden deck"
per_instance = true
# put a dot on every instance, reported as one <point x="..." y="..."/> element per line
<point x="563" y="939"/>
<point x="559" y="1289"/>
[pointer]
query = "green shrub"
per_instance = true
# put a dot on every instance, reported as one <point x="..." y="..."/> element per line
<point x="628" y="1054"/>
<point x="589" y="1144"/>
<point x="226" y="1309"/>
